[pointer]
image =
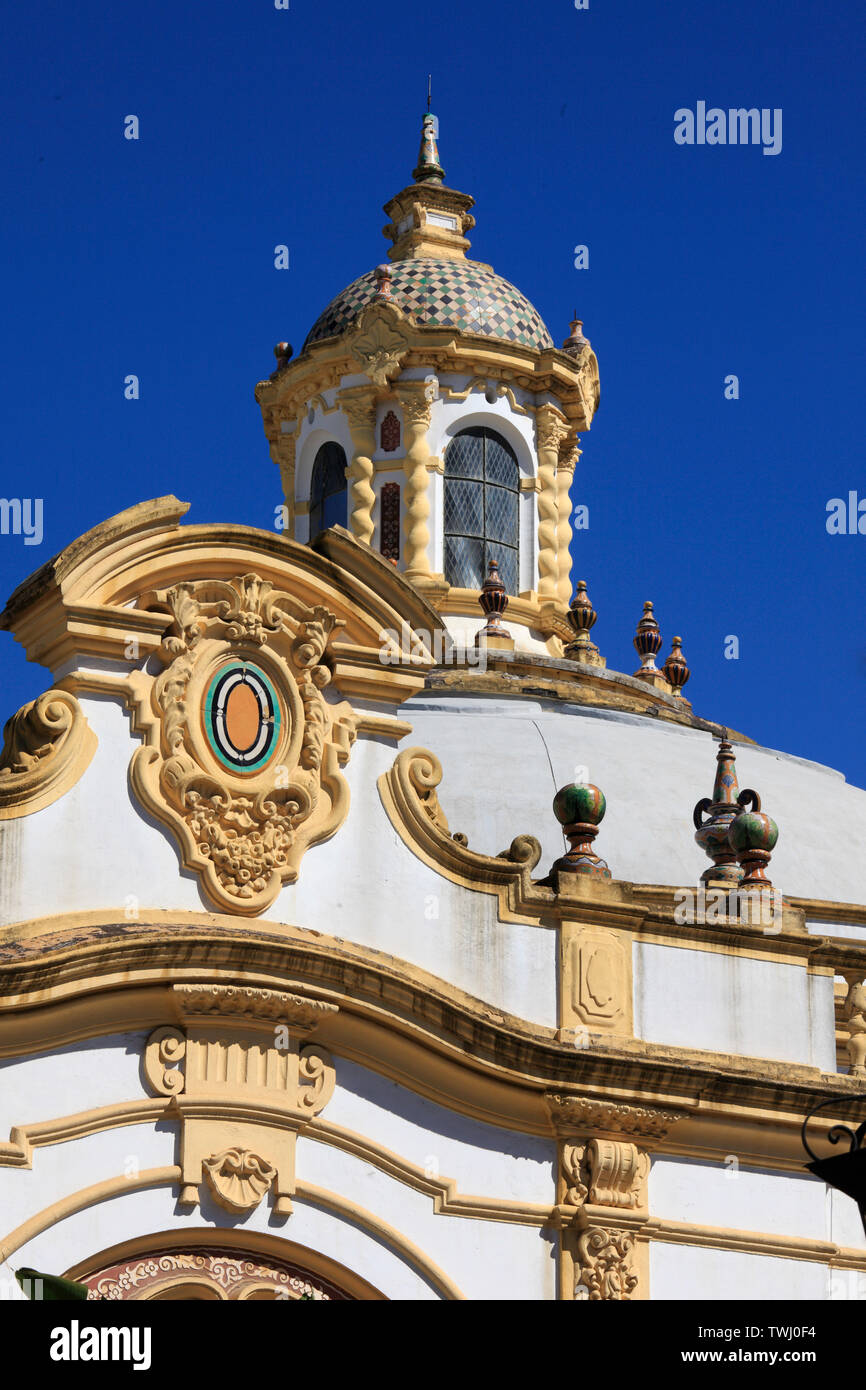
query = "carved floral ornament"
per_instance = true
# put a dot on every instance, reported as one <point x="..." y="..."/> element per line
<point x="242" y="752"/>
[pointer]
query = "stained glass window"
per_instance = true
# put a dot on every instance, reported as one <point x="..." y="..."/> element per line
<point x="328" y="489"/>
<point x="481" y="509"/>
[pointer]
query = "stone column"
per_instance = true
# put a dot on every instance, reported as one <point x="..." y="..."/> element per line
<point x="564" y="476"/>
<point x="551" y="429"/>
<point x="283" y="454"/>
<point x="358" y="404"/>
<point x="415" y="405"/>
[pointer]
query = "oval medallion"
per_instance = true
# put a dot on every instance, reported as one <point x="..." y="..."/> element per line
<point x="242" y="716"/>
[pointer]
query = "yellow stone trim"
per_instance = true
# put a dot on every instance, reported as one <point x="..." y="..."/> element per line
<point x="333" y="1202"/>
<point x="415" y="404"/>
<point x="262" y="1244"/>
<point x="244" y="834"/>
<point x="447" y="1198"/>
<point x="551" y="430"/>
<point x="48" y="745"/>
<point x="73" y="981"/>
<point x="359" y="407"/>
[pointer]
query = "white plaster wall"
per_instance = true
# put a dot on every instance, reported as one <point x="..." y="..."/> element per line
<point x="483" y="1159"/>
<point x="82" y="1076"/>
<point x="651" y="773"/>
<point x="488" y="1259"/>
<point x="363" y="885"/>
<point x="152" y="1210"/>
<point x="721" y="1003"/>
<point x="742" y="1199"/>
<point x="62" y="1169"/>
<point x="697" y="1274"/>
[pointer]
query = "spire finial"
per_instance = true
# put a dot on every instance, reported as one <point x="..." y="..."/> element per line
<point x="429" y="169"/>
<point x="429" y="90"/>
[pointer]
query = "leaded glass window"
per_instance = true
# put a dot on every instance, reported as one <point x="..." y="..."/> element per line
<point x="482" y="494"/>
<point x="328" y="489"/>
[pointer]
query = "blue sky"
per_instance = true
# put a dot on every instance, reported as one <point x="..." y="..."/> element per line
<point x="260" y="127"/>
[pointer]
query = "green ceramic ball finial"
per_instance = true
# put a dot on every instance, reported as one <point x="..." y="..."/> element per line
<point x="580" y="808"/>
<point x="752" y="836"/>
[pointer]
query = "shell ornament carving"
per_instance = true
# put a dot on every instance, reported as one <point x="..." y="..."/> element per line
<point x="242" y="752"/>
<point x="238" y="1178"/>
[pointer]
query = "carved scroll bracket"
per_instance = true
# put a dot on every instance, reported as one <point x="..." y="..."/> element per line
<point x="47" y="746"/>
<point x="241" y="1066"/>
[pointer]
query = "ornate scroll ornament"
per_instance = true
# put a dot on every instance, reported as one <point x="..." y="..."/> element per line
<point x="408" y="792"/>
<point x="604" y="1269"/>
<point x="47" y="746"/>
<point x="244" y="832"/>
<point x="166" y="1049"/>
<point x="235" y="1074"/>
<point x="579" y="1115"/>
<point x="238" y="1178"/>
<point x="605" y="1174"/>
<point x="380" y="342"/>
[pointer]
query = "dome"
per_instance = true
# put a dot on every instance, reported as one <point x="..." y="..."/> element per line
<point x="443" y="294"/>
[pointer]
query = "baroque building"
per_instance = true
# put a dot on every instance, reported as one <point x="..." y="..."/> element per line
<point x="355" y="940"/>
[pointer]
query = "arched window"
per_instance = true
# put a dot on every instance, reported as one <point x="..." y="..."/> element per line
<point x="481" y="509"/>
<point x="328" y="489"/>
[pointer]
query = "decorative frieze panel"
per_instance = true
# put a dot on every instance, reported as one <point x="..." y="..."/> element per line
<point x="242" y="751"/>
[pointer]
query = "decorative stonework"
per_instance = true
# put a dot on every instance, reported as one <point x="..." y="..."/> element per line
<point x="604" y="1265"/>
<point x="210" y="1273"/>
<point x="243" y="832"/>
<point x="605" y="1173"/>
<point x="238" y="1179"/>
<point x="237" y="1072"/>
<point x="389" y="521"/>
<point x="227" y="1001"/>
<point x="380" y="341"/>
<point x="854" y="1016"/>
<point x="47" y="746"/>
<point x="580" y="1115"/>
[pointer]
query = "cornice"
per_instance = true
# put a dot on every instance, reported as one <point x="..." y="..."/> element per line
<point x="101" y="977"/>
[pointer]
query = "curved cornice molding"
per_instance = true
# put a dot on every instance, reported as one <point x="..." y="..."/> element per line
<point x="102" y="977"/>
<point x="47" y="746"/>
<point x="96" y="599"/>
<point x="574" y="382"/>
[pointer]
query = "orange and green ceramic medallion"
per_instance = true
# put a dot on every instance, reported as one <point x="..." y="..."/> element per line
<point x="242" y="716"/>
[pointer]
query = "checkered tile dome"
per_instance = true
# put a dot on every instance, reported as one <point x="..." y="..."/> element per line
<point x="443" y="294"/>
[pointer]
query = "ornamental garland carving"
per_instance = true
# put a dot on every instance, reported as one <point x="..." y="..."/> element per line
<point x="242" y="751"/>
<point x="47" y="746"/>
